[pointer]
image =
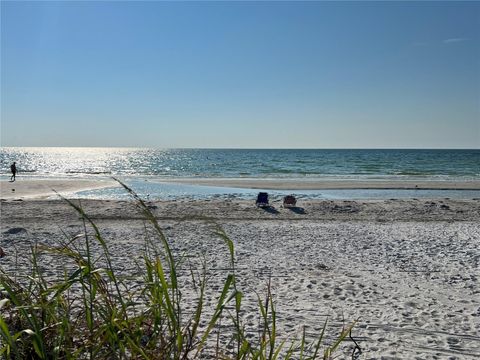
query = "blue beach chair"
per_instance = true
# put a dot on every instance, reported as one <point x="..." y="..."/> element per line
<point x="262" y="199"/>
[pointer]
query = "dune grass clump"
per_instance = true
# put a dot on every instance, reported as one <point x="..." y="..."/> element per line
<point x="93" y="313"/>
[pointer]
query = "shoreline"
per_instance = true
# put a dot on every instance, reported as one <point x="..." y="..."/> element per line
<point x="44" y="188"/>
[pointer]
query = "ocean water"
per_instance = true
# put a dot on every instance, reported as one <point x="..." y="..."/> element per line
<point x="143" y="169"/>
<point x="233" y="163"/>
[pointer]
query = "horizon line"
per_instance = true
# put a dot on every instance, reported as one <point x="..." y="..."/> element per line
<point x="246" y="148"/>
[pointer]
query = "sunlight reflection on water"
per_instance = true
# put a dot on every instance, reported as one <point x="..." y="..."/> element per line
<point x="279" y="163"/>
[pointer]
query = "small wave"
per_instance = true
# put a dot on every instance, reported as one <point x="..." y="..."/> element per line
<point x="302" y="161"/>
<point x="88" y="172"/>
<point x="8" y="172"/>
<point x="5" y="171"/>
<point x="413" y="172"/>
<point x="372" y="167"/>
<point x="284" y="171"/>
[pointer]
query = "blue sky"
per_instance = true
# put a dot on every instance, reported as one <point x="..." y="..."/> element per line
<point x="241" y="74"/>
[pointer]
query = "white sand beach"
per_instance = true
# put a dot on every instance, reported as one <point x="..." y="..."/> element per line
<point x="407" y="270"/>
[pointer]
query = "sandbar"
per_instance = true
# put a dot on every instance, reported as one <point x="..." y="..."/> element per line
<point x="41" y="189"/>
<point x="333" y="184"/>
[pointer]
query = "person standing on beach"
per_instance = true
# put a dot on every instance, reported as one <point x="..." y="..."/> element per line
<point x="13" y="168"/>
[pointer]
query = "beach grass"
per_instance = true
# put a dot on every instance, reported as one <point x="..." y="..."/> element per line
<point x="93" y="312"/>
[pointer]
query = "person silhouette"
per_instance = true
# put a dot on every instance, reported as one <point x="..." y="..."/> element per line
<point x="13" y="168"/>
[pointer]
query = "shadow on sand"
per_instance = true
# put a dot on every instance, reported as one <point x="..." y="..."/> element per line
<point x="269" y="209"/>
<point x="297" y="210"/>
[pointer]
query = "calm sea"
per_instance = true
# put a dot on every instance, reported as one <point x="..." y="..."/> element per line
<point x="145" y="168"/>
<point x="236" y="163"/>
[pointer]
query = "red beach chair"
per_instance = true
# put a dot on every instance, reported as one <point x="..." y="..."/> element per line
<point x="289" y="201"/>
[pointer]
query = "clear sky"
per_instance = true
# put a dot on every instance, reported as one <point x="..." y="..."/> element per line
<point x="241" y="74"/>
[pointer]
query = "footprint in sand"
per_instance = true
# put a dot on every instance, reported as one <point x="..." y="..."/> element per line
<point x="17" y="230"/>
